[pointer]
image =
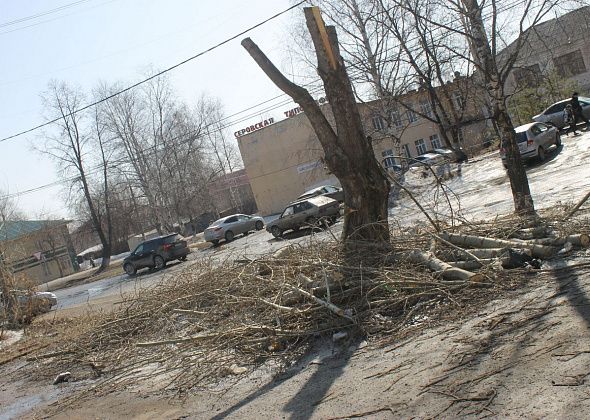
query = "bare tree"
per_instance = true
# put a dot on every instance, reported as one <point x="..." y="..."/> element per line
<point x="69" y="145"/>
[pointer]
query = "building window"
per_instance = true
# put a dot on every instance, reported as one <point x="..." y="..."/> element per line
<point x="387" y="152"/>
<point x="435" y="141"/>
<point x="420" y="146"/>
<point x="570" y="64"/>
<point x="426" y="109"/>
<point x="407" y="153"/>
<point x="378" y="123"/>
<point x="388" y="162"/>
<point x="412" y="117"/>
<point x="396" y="118"/>
<point x="529" y="76"/>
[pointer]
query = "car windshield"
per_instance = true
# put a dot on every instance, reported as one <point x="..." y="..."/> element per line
<point x="218" y="222"/>
<point x="521" y="137"/>
<point x="171" y="239"/>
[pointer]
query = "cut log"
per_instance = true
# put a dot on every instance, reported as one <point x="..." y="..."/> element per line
<point x="537" y="250"/>
<point x="474" y="265"/>
<point x="581" y="240"/>
<point x="530" y="233"/>
<point x="481" y="253"/>
<point x="446" y="270"/>
<point x="459" y="249"/>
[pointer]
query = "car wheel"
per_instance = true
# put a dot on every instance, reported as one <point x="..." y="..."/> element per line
<point x="159" y="262"/>
<point x="557" y="140"/>
<point x="229" y="236"/>
<point x="259" y="225"/>
<point x="276" y="231"/>
<point x="130" y="269"/>
<point x="541" y="154"/>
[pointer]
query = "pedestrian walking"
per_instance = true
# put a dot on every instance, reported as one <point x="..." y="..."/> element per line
<point x="570" y="118"/>
<point x="577" y="108"/>
<point x="461" y="158"/>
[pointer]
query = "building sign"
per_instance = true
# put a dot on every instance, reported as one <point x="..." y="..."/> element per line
<point x="265" y="123"/>
<point x="254" y="127"/>
<point x="292" y="112"/>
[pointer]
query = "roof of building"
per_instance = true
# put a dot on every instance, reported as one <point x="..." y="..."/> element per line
<point x="554" y="33"/>
<point x="13" y="229"/>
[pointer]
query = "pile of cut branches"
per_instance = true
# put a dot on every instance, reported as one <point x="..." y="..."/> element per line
<point x="219" y="321"/>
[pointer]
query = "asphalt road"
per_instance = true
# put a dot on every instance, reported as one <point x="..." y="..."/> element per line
<point x="249" y="246"/>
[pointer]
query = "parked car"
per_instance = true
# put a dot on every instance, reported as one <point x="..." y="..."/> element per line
<point x="326" y="190"/>
<point x="156" y="252"/>
<point x="554" y="114"/>
<point x="446" y="153"/>
<point x="228" y="227"/>
<point x="307" y="212"/>
<point x="31" y="302"/>
<point x="533" y="141"/>
<point x="426" y="159"/>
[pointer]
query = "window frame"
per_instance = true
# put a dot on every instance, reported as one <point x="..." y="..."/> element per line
<point x="420" y="145"/>
<point x="435" y="144"/>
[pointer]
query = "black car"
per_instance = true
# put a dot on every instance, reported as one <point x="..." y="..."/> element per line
<point x="155" y="253"/>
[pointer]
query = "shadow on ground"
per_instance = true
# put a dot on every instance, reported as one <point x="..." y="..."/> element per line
<point x="313" y="391"/>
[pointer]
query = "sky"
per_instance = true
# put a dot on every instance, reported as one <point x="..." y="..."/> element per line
<point x="89" y="41"/>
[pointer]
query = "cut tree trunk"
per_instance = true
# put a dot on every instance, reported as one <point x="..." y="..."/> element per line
<point x="348" y="153"/>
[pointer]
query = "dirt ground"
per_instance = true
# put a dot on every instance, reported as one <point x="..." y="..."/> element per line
<point x="525" y="353"/>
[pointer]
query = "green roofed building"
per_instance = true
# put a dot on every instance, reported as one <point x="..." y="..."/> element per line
<point x="37" y="251"/>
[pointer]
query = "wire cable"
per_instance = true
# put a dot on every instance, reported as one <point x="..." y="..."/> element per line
<point x="158" y="74"/>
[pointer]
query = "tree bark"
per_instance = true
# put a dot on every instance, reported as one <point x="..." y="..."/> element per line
<point x="348" y="153"/>
<point x="521" y="194"/>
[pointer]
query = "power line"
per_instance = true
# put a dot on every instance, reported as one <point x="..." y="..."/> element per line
<point x="133" y="86"/>
<point x="151" y="149"/>
<point x="40" y="14"/>
<point x="55" y="18"/>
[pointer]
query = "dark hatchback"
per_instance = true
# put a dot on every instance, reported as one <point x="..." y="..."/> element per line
<point x="155" y="253"/>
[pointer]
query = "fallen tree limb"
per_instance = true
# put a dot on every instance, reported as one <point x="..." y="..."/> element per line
<point x="338" y="311"/>
<point x="475" y="265"/>
<point x="581" y="240"/>
<point x="481" y="253"/>
<point x="576" y="207"/>
<point x="537" y="250"/>
<point x="446" y="270"/>
<point x="461" y="250"/>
